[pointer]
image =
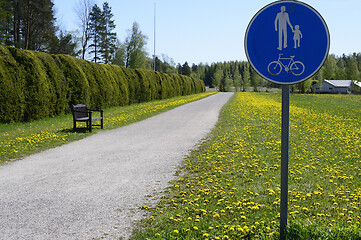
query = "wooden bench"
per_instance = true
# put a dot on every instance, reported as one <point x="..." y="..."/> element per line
<point x="83" y="114"/>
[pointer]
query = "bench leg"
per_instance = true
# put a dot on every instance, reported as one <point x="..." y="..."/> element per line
<point x="101" y="122"/>
<point x="90" y="122"/>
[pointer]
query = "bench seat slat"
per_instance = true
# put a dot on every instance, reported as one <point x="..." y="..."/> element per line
<point x="83" y="119"/>
<point x="96" y="118"/>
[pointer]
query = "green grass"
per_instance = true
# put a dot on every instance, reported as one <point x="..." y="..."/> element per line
<point x="231" y="185"/>
<point x="18" y="140"/>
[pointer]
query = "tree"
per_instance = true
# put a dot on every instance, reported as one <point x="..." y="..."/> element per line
<point x="179" y="68"/>
<point x="119" y="56"/>
<point x="217" y="77"/>
<point x="96" y="28"/>
<point x="6" y="22"/>
<point x="135" y="54"/>
<point x="64" y="44"/>
<point x="108" y="36"/>
<point x="186" y="70"/>
<point x="30" y="24"/>
<point x="32" y="21"/>
<point x="329" y="67"/>
<point x="194" y="68"/>
<point x="341" y="68"/>
<point x="255" y="80"/>
<point x="246" y="77"/>
<point x="158" y="64"/>
<point x="199" y="71"/>
<point x="237" y="79"/>
<point x="168" y="65"/>
<point x="83" y="12"/>
<point x="227" y="82"/>
<point x="352" y="71"/>
<point x="38" y="27"/>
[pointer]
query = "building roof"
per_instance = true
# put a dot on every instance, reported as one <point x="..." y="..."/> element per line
<point x="357" y="83"/>
<point x="339" y="83"/>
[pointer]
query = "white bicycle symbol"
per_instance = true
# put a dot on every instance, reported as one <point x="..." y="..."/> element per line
<point x="295" y="67"/>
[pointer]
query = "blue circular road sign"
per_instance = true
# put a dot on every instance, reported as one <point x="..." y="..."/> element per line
<point x="287" y="42"/>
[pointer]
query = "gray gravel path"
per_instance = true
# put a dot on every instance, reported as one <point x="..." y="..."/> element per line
<point x="94" y="187"/>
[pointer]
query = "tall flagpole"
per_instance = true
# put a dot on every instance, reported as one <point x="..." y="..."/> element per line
<point x="154" y="37"/>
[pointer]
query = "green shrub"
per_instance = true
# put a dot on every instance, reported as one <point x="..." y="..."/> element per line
<point x="145" y="92"/>
<point x="34" y="85"/>
<point x="186" y="85"/>
<point x="105" y="94"/>
<point x="164" y="90"/>
<point x="93" y="81"/>
<point x="112" y="87"/>
<point x="12" y="88"/>
<point x="39" y="92"/>
<point x="78" y="85"/>
<point x="59" y="87"/>
<point x="177" y="84"/>
<point x="133" y="82"/>
<point x="122" y="83"/>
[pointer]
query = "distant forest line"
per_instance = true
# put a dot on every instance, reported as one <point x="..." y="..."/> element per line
<point x="240" y="76"/>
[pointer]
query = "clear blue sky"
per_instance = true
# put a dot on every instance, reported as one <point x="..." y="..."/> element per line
<point x="212" y="31"/>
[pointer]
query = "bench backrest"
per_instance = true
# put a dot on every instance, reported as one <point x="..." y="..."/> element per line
<point x="79" y="111"/>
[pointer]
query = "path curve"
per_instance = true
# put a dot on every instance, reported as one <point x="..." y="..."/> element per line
<point x="94" y="187"/>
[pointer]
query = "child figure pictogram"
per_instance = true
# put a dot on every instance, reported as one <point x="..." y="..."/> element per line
<point x="297" y="36"/>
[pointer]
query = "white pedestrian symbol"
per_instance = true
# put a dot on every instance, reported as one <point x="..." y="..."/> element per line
<point x="297" y="36"/>
<point x="281" y="22"/>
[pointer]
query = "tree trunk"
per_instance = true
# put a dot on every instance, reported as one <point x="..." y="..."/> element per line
<point x="16" y="23"/>
<point x="27" y="24"/>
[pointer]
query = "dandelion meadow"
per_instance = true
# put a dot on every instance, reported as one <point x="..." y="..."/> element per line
<point x="18" y="140"/>
<point x="230" y="186"/>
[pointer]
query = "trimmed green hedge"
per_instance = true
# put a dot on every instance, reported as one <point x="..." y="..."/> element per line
<point x="34" y="85"/>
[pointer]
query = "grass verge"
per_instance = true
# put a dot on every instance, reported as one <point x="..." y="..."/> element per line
<point x="231" y="185"/>
<point x="18" y="140"/>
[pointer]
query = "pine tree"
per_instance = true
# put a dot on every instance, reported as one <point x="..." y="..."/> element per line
<point x="228" y="82"/>
<point x="158" y="64"/>
<point x="64" y="44"/>
<point x="27" y="24"/>
<point x="237" y="78"/>
<point x="217" y="77"/>
<point x="246" y="77"/>
<point x="255" y="80"/>
<point x="39" y="24"/>
<point x="108" y="36"/>
<point x="352" y="71"/>
<point x="96" y="28"/>
<point x="6" y="22"/>
<point x="186" y="70"/>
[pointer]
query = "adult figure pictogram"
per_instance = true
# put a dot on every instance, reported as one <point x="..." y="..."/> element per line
<point x="281" y="22"/>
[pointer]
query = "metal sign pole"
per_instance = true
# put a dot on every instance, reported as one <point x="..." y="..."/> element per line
<point x="154" y="35"/>
<point x="272" y="58"/>
<point x="284" y="159"/>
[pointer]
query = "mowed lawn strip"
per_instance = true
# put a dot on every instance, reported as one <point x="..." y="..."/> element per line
<point x="18" y="140"/>
<point x="230" y="186"/>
